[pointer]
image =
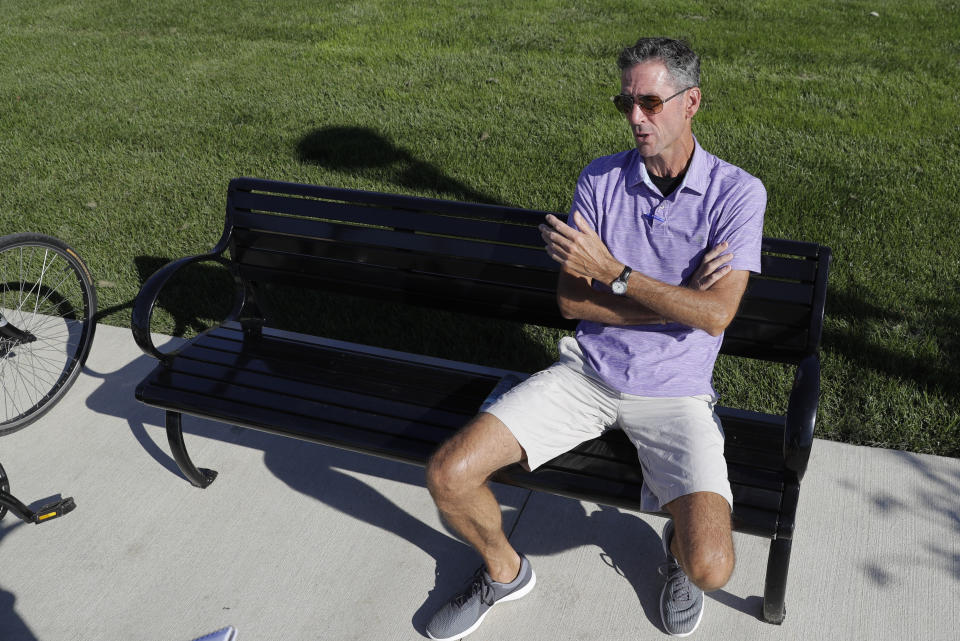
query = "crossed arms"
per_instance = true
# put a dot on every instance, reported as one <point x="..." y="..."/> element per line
<point x="709" y="302"/>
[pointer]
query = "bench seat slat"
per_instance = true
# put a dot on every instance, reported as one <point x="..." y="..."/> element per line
<point x="442" y="389"/>
<point x="297" y="391"/>
<point x="416" y="388"/>
<point x="755" y="521"/>
<point x="764" y="479"/>
<point x="292" y="410"/>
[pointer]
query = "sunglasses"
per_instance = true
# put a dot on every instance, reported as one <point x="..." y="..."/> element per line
<point x="648" y="104"/>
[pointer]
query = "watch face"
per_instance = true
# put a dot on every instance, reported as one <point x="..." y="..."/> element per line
<point x="619" y="287"/>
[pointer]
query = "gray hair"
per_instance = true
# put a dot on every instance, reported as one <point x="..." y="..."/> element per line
<point x="681" y="62"/>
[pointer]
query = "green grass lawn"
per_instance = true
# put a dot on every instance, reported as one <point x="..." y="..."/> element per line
<point x="121" y="124"/>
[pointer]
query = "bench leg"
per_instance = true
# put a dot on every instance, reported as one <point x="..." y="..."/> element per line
<point x="774" y="593"/>
<point x="199" y="477"/>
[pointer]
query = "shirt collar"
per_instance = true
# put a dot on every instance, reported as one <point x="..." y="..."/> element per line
<point x="695" y="179"/>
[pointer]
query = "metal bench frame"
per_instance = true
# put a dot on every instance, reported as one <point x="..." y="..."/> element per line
<point x="481" y="260"/>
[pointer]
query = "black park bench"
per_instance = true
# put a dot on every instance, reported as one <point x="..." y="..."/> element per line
<point x="482" y="260"/>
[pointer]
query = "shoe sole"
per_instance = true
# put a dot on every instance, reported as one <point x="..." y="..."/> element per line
<point x="513" y="596"/>
<point x="663" y="618"/>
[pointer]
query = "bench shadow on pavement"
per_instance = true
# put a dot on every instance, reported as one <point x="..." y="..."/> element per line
<point x="629" y="546"/>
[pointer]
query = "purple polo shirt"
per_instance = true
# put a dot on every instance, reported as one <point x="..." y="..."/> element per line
<point x="665" y="238"/>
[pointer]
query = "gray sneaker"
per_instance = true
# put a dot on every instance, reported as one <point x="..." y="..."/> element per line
<point x="466" y="611"/>
<point x="681" y="602"/>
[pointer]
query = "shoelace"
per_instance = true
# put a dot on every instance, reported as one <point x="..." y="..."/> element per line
<point x="677" y="580"/>
<point x="478" y="585"/>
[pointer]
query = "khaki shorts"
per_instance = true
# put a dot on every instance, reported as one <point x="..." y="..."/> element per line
<point x="679" y="440"/>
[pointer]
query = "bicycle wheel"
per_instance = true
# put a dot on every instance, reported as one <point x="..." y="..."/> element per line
<point x="47" y="304"/>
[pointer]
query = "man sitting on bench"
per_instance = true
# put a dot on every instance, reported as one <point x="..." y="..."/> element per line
<point x="653" y="304"/>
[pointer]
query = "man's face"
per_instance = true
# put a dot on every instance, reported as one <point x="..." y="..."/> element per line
<point x="660" y="134"/>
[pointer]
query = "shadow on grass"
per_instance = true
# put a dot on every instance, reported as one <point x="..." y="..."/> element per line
<point x="882" y="354"/>
<point x="361" y="150"/>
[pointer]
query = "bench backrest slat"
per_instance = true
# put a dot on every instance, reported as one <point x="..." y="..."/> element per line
<point x="280" y="252"/>
<point x="374" y="237"/>
<point x="484" y="259"/>
<point x="393" y="218"/>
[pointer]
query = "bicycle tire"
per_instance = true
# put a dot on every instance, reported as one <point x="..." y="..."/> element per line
<point x="4" y="487"/>
<point x="46" y="294"/>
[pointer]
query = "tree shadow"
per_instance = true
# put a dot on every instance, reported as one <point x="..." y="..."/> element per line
<point x="359" y="150"/>
<point x="934" y="503"/>
<point x="853" y="339"/>
<point x="929" y="505"/>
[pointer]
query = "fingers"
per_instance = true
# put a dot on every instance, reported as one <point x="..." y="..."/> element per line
<point x="714" y="260"/>
<point x="557" y="225"/>
<point x="706" y="282"/>
<point x="562" y="228"/>
<point x="715" y="251"/>
<point x="581" y="222"/>
<point x="553" y="238"/>
<point x="716" y="263"/>
<point x="556" y="234"/>
<point x="713" y="267"/>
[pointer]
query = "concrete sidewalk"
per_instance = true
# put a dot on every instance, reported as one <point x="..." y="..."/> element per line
<point x="303" y="542"/>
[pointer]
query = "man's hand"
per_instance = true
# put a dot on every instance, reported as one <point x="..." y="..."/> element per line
<point x="584" y="257"/>
<point x="581" y="252"/>
<point x="713" y="267"/>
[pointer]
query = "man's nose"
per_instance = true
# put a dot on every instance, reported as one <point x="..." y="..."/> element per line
<point x="637" y="115"/>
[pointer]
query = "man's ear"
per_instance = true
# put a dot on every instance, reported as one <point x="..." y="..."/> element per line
<point x="692" y="102"/>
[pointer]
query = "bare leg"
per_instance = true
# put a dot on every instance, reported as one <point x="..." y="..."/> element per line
<point x="457" y="477"/>
<point x="703" y="539"/>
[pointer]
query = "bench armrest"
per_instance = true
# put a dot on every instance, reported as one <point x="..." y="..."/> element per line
<point x="146" y="300"/>
<point x="802" y="415"/>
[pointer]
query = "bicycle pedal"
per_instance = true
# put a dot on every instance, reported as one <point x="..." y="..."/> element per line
<point x="53" y="510"/>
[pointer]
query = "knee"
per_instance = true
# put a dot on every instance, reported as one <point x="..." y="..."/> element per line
<point x="710" y="569"/>
<point x="447" y="475"/>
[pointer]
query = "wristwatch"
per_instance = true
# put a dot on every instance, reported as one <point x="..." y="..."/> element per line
<point x="619" y="285"/>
